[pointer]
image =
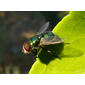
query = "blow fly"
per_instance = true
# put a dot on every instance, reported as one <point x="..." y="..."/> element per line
<point x="42" y="38"/>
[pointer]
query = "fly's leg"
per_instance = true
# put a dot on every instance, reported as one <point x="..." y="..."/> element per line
<point x="34" y="52"/>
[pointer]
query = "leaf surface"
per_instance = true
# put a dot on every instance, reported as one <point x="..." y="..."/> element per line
<point x="64" y="58"/>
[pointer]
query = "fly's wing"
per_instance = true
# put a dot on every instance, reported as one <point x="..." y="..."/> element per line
<point x="43" y="28"/>
<point x="50" y="40"/>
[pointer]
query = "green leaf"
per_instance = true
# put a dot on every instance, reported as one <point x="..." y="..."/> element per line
<point x="70" y="58"/>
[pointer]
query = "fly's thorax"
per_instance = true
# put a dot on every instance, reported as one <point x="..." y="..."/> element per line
<point x="34" y="41"/>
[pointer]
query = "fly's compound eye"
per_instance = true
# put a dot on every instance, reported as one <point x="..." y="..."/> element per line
<point x="26" y="48"/>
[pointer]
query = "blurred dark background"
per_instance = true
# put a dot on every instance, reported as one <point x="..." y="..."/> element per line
<point x="15" y="29"/>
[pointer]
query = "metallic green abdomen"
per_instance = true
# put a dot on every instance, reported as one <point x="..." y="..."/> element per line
<point x="34" y="41"/>
<point x="48" y="34"/>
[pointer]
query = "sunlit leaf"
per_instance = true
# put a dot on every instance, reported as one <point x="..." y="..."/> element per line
<point x="71" y="58"/>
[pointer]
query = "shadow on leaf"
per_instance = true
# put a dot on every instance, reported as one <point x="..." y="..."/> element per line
<point x="55" y="50"/>
<point x="58" y="51"/>
<point x="69" y="51"/>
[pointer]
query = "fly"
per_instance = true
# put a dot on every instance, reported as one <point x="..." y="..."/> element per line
<point x="43" y="38"/>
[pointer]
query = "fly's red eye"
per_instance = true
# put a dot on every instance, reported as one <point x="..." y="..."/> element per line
<point x="27" y="47"/>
